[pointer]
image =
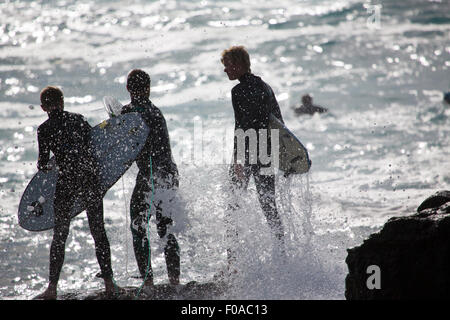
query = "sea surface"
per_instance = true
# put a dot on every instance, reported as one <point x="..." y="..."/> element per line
<point x="380" y="67"/>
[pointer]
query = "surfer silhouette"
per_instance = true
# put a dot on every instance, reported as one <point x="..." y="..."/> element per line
<point x="156" y="183"/>
<point x="308" y="107"/>
<point x="66" y="134"/>
<point x="253" y="101"/>
<point x="447" y="97"/>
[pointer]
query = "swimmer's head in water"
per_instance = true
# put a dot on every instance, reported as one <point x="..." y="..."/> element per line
<point x="306" y="99"/>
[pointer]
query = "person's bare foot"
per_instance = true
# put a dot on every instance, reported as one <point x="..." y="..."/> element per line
<point x="49" y="294"/>
<point x="148" y="287"/>
<point x="148" y="282"/>
<point x="111" y="289"/>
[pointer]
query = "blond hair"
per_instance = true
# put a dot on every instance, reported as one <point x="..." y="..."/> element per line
<point x="237" y="55"/>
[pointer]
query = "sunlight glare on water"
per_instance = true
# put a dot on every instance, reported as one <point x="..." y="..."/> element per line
<point x="381" y="149"/>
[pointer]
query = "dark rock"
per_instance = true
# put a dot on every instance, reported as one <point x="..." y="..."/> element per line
<point x="435" y="201"/>
<point x="413" y="256"/>
<point x="190" y="291"/>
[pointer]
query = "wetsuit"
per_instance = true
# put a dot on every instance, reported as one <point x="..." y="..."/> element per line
<point x="67" y="136"/>
<point x="160" y="190"/>
<point x="310" y="109"/>
<point x="253" y="101"/>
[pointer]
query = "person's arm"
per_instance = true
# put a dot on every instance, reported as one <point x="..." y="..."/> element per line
<point x="263" y="101"/>
<point x="275" y="106"/>
<point x="85" y="129"/>
<point x="321" y="109"/>
<point x="160" y="136"/>
<point x="44" y="152"/>
<point x="235" y="104"/>
<point x="236" y="98"/>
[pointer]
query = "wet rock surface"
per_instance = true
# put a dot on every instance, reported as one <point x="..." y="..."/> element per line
<point x="409" y="258"/>
<point x="189" y="291"/>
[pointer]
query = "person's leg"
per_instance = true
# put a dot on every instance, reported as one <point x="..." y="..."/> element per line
<point x="265" y="186"/>
<point x="171" y="248"/>
<point x="139" y="224"/>
<point x="172" y="256"/>
<point x="94" y="213"/>
<point x="236" y="187"/>
<point x="58" y="245"/>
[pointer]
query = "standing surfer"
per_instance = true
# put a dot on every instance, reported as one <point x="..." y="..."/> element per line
<point x="67" y="135"/>
<point x="253" y="101"/>
<point x="156" y="183"/>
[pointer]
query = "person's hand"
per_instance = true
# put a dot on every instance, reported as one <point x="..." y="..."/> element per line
<point x="49" y="294"/>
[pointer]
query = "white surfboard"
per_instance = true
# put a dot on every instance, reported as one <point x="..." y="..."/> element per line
<point x="112" y="106"/>
<point x="116" y="143"/>
<point x="293" y="156"/>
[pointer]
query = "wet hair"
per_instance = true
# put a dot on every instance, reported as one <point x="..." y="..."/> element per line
<point x="138" y="81"/>
<point x="52" y="98"/>
<point x="307" y="99"/>
<point x="237" y="55"/>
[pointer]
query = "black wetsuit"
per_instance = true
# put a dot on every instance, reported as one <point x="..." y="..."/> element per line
<point x="253" y="101"/>
<point x="67" y="136"/>
<point x="309" y="109"/>
<point x="164" y="171"/>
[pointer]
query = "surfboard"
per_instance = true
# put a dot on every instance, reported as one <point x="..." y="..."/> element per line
<point x="112" y="106"/>
<point x="116" y="143"/>
<point x="293" y="156"/>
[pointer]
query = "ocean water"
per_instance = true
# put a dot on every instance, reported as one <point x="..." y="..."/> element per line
<point x="381" y="68"/>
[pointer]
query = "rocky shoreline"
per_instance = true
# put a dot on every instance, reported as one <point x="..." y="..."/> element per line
<point x="190" y="291"/>
<point x="409" y="258"/>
